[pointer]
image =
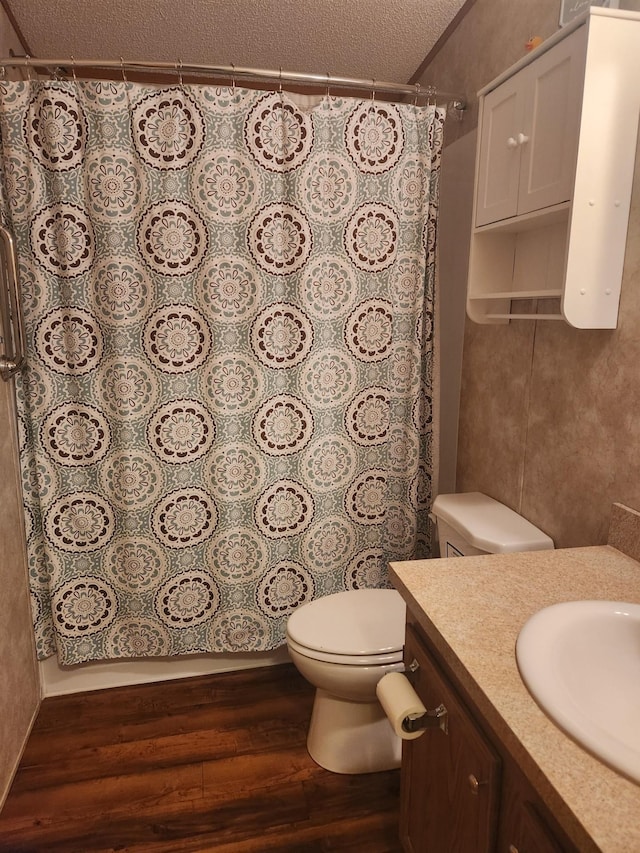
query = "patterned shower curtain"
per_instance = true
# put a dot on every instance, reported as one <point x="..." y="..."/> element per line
<point x="226" y="411"/>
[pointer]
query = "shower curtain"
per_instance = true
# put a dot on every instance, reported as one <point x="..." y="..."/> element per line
<point x="226" y="408"/>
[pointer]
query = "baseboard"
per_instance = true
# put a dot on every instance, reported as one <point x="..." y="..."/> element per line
<point x="60" y="680"/>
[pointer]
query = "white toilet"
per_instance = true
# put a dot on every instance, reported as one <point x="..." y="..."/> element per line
<point x="344" y="643"/>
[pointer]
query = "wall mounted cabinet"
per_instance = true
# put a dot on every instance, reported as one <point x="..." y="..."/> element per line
<point x="554" y="173"/>
<point x="529" y="135"/>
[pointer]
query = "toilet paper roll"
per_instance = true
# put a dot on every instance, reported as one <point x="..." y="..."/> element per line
<point x="399" y="700"/>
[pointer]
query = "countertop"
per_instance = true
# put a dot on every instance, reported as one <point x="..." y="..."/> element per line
<point x="472" y="609"/>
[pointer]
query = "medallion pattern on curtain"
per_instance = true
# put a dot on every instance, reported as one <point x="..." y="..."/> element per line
<point x="226" y="410"/>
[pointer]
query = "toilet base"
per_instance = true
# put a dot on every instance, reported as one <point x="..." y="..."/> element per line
<point x="351" y="737"/>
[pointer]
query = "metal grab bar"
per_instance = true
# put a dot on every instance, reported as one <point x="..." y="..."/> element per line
<point x="12" y="338"/>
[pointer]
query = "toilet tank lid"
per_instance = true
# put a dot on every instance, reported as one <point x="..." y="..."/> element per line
<point x="489" y="525"/>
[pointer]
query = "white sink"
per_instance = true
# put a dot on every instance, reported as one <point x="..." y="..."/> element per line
<point x="581" y="662"/>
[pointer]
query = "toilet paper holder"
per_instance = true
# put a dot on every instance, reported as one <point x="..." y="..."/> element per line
<point x="437" y="718"/>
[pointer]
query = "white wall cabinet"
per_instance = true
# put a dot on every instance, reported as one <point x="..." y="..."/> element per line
<point x="529" y="137"/>
<point x="554" y="172"/>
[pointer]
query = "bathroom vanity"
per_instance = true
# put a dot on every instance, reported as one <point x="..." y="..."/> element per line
<point x="463" y="790"/>
<point x="505" y="777"/>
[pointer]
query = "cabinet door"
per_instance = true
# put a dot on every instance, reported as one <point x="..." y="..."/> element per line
<point x="529" y="128"/>
<point x="525" y="824"/>
<point x="530" y="835"/>
<point x="548" y="138"/>
<point x="450" y="780"/>
<point x="502" y="117"/>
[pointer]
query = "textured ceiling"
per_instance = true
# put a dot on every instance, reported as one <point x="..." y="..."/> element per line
<point x="371" y="39"/>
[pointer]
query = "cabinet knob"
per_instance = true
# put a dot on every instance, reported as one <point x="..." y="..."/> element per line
<point x="517" y="141"/>
<point x="474" y="784"/>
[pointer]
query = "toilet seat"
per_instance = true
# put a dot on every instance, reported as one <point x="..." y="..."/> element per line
<point x="346" y="660"/>
<point x="363" y="627"/>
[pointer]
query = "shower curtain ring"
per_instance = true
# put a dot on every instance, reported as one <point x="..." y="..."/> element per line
<point x="280" y="88"/>
<point x="124" y="76"/>
<point x="415" y="100"/>
<point x="233" y="77"/>
<point x="27" y="61"/>
<point x="373" y="95"/>
<point x="73" y="70"/>
<point x="179" y="70"/>
<point x="328" y="84"/>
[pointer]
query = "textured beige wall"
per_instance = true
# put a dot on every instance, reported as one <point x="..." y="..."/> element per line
<point x="19" y="679"/>
<point x="490" y="37"/>
<point x="550" y="415"/>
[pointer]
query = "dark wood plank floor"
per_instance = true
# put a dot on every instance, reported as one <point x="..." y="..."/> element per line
<point x="210" y="763"/>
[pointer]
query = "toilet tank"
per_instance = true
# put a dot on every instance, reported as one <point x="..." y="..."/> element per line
<point x="471" y="523"/>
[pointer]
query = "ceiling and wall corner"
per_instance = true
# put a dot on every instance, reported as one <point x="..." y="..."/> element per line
<point x="360" y="38"/>
<point x="484" y="43"/>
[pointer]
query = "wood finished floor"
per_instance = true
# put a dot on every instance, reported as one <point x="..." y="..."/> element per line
<point x="210" y="763"/>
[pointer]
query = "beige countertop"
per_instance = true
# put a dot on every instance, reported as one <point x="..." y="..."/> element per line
<point x="472" y="609"/>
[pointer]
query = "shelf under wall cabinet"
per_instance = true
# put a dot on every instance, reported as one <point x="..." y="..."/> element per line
<point x="525" y="294"/>
<point x="524" y="316"/>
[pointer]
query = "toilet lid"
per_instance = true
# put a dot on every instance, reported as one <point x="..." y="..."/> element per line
<point x="357" y="622"/>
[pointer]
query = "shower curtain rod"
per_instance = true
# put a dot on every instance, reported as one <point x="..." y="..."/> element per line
<point x="456" y="101"/>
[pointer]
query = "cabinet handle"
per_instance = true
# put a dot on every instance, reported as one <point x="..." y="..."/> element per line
<point x="522" y="139"/>
<point x="512" y="143"/>
<point x="474" y="784"/>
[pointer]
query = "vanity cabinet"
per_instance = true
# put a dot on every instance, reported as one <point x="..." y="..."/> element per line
<point x="554" y="172"/>
<point x="522" y="829"/>
<point x="460" y="788"/>
<point x="450" y="778"/>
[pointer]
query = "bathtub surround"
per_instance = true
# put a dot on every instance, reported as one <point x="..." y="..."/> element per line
<point x="60" y="680"/>
<point x="548" y="414"/>
<point x="19" y="680"/>
<point x="453" y="262"/>
<point x="227" y="402"/>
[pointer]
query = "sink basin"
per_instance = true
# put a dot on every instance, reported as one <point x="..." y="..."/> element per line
<point x="581" y="662"/>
